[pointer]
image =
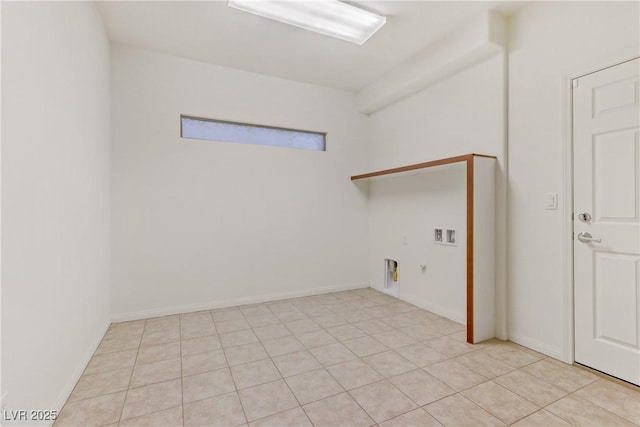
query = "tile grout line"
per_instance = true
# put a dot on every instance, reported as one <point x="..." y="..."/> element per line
<point x="133" y="368"/>
<point x="235" y="386"/>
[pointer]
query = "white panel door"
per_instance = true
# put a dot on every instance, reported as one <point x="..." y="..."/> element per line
<point x="606" y="133"/>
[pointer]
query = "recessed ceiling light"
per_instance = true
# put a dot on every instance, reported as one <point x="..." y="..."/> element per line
<point x="330" y="17"/>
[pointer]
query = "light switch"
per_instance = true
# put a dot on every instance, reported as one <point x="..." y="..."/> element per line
<point x="551" y="201"/>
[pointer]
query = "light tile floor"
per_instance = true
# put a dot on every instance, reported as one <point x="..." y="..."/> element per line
<point x="356" y="358"/>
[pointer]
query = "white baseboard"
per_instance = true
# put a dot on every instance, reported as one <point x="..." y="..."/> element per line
<point x="536" y="345"/>
<point x="420" y="302"/>
<point x="77" y="372"/>
<point x="189" y="308"/>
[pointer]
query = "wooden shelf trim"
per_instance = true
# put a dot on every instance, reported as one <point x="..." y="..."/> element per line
<point x="424" y="165"/>
<point x="470" y="184"/>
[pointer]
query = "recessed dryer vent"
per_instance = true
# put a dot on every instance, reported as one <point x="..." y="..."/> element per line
<point x="391" y="276"/>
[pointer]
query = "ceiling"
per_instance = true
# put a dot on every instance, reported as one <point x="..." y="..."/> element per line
<point x="212" y="32"/>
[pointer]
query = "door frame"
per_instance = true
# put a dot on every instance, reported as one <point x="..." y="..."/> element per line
<point x="592" y="66"/>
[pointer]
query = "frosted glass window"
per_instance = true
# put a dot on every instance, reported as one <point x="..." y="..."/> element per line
<point x="217" y="130"/>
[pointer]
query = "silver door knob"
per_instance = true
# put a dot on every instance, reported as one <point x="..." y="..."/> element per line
<point x="585" y="237"/>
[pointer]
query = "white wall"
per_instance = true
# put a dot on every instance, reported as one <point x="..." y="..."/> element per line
<point x="460" y="115"/>
<point x="198" y="224"/>
<point x="548" y="42"/>
<point x="403" y="212"/>
<point x="55" y="198"/>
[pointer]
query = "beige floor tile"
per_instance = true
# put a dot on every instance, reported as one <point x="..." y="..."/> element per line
<point x="389" y="363"/>
<point x="195" y="317"/>
<point x="271" y="332"/>
<point x="111" y="361"/>
<point x="346" y="332"/>
<point x="394" y="339"/>
<point x="455" y="375"/>
<point x="455" y="410"/>
<point x="422" y="332"/>
<point x="232" y="326"/>
<point x="313" y="385"/>
<point x="382" y="400"/>
<point x="291" y="418"/>
<point x="580" y="412"/>
<point x="317" y="312"/>
<point x="531" y="388"/>
<point x="96" y="411"/>
<point x="197" y="329"/>
<point x="156" y="353"/>
<point x="156" y="372"/>
<point x="227" y="314"/>
<point x="448" y="327"/>
<point x="354" y="374"/>
<point x="420" y="354"/>
<point x="254" y="373"/>
<point x="267" y="399"/>
<point x="209" y="384"/>
<point x="282" y="345"/>
<point x="365" y="346"/>
<point x="200" y="345"/>
<point x="162" y="323"/>
<point x="332" y="354"/>
<point x="135" y="327"/>
<point x="621" y="400"/>
<point x="291" y="316"/>
<point x="338" y="343"/>
<point x="565" y="377"/>
<point x="232" y="339"/>
<point x="484" y="364"/>
<point x="340" y="410"/>
<point x="500" y="402"/>
<point x="448" y="346"/>
<point x="355" y="316"/>
<point x="245" y="353"/>
<point x="110" y="345"/>
<point x="330" y="320"/>
<point x="219" y="411"/>
<point x="416" y="418"/>
<point x="160" y="336"/>
<point x="345" y="308"/>
<point x="421" y="387"/>
<point x="511" y="356"/>
<point x="255" y="310"/>
<point x="301" y="326"/>
<point x="282" y="307"/>
<point x="168" y="418"/>
<point x="263" y="320"/>
<point x="152" y="398"/>
<point x="317" y="338"/>
<point x="373" y="326"/>
<point x="101" y="384"/>
<point x="399" y="321"/>
<point x="542" y="418"/>
<point x="296" y="363"/>
<point x="203" y="362"/>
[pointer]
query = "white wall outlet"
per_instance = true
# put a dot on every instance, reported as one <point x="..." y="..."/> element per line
<point x="445" y="236"/>
<point x="451" y="236"/>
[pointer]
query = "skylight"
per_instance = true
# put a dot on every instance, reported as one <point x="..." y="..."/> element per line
<point x="329" y="17"/>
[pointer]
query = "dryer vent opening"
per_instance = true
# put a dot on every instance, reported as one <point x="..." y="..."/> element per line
<point x="391" y="276"/>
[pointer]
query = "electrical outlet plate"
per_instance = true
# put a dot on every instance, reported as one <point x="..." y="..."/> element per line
<point x="445" y="236"/>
